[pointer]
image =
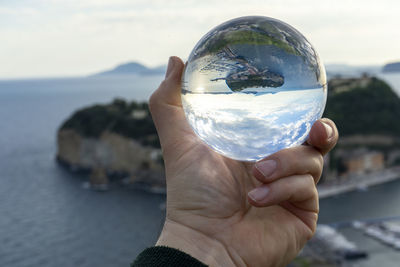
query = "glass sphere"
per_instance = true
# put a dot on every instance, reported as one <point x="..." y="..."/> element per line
<point x="252" y="86"/>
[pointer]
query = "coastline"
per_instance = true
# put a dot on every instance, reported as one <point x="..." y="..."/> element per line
<point x="358" y="182"/>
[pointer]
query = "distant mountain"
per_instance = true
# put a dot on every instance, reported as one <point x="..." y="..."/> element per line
<point x="391" y="67"/>
<point x="132" y="68"/>
<point x="345" y="70"/>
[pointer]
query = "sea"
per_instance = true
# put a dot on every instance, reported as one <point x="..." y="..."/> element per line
<point x="49" y="218"/>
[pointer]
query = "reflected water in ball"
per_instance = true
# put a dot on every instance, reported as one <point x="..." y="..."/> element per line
<point x="253" y="86"/>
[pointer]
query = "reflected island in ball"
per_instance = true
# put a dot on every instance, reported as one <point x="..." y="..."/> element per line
<point x="253" y="86"/>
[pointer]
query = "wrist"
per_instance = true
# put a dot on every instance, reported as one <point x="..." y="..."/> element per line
<point x="198" y="245"/>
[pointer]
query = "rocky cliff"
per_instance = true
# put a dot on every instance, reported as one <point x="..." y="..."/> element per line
<point x="115" y="140"/>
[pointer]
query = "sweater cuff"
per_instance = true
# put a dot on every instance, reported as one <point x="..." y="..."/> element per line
<point x="165" y="256"/>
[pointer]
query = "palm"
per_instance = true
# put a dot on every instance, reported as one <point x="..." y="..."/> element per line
<point x="214" y="194"/>
<point x="207" y="193"/>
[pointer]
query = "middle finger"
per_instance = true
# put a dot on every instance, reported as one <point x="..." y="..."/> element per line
<point x="297" y="160"/>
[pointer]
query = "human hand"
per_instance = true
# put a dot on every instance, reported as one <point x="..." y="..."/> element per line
<point x="230" y="213"/>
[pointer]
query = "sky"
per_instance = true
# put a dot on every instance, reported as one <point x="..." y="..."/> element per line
<point x="54" y="38"/>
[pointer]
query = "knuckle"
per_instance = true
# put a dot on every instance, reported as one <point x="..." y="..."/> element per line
<point x="316" y="173"/>
<point x="163" y="84"/>
<point x="319" y="161"/>
<point x="152" y="102"/>
<point x="288" y="160"/>
<point x="310" y="179"/>
<point x="285" y="185"/>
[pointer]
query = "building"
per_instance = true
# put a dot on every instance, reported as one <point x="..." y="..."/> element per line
<point x="361" y="160"/>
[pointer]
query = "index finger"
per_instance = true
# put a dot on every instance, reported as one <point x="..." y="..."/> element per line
<point x="323" y="135"/>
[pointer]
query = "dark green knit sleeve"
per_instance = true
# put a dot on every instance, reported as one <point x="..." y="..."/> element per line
<point x="166" y="257"/>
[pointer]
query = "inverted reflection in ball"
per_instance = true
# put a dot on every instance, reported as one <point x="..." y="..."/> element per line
<point x="253" y="86"/>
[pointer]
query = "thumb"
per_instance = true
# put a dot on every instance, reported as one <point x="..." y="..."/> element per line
<point x="169" y="90"/>
<point x="323" y="135"/>
<point x="166" y="107"/>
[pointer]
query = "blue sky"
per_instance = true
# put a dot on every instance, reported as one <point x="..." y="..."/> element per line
<point x="46" y="38"/>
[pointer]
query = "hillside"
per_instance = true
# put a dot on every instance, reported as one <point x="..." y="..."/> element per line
<point x="365" y="106"/>
<point x="131" y="120"/>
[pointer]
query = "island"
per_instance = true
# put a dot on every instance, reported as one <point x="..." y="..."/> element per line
<point x="239" y="81"/>
<point x="116" y="140"/>
<point x="246" y="75"/>
<point x="391" y="67"/>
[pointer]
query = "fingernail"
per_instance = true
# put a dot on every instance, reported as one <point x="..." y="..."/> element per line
<point x="266" y="167"/>
<point x="328" y="129"/>
<point x="259" y="193"/>
<point x="171" y="63"/>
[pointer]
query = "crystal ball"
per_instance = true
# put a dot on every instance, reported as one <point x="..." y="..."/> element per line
<point x="253" y="86"/>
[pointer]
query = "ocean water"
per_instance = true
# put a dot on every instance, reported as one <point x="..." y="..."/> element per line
<point x="393" y="79"/>
<point x="377" y="202"/>
<point x="48" y="219"/>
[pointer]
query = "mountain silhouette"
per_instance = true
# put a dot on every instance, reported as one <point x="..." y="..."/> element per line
<point x="132" y="68"/>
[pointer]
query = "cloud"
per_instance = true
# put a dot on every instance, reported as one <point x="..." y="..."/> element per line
<point x="23" y="11"/>
<point x="245" y="126"/>
<point x="83" y="36"/>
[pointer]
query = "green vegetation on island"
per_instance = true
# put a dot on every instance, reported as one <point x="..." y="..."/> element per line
<point x="129" y="119"/>
<point x="363" y="106"/>
<point x="245" y="36"/>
